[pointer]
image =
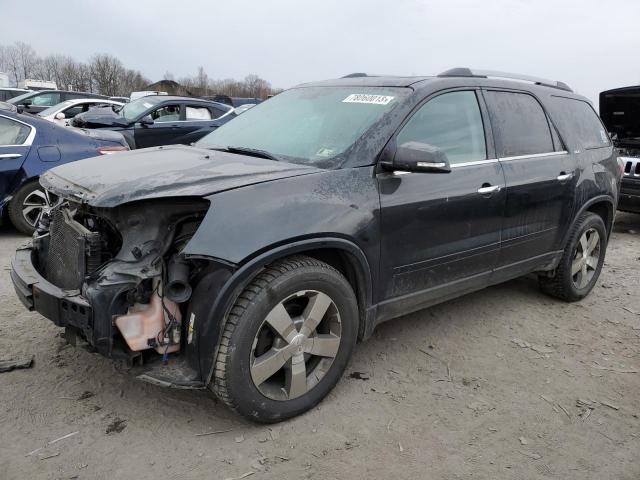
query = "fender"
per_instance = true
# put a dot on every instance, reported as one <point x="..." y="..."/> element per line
<point x="248" y="270"/>
<point x="600" y="198"/>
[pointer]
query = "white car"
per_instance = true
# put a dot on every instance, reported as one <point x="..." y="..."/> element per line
<point x="63" y="112"/>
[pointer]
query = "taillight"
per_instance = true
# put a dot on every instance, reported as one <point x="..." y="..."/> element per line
<point x="113" y="149"/>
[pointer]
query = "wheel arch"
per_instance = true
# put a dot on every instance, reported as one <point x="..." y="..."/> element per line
<point x="342" y="254"/>
<point x="603" y="206"/>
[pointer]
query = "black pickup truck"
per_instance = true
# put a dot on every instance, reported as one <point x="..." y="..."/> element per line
<point x="620" y="112"/>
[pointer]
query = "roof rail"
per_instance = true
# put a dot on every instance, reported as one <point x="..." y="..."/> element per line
<point x="355" y="75"/>
<point x="467" y="72"/>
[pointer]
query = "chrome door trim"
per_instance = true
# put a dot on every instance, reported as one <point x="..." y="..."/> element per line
<point x="10" y="155"/>
<point x="534" y="155"/>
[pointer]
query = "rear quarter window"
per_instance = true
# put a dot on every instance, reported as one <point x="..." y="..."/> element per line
<point x="580" y="119"/>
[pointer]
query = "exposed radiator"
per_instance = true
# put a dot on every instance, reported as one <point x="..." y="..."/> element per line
<point x="74" y="251"/>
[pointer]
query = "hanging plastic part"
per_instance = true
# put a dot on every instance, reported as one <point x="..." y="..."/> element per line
<point x="156" y="324"/>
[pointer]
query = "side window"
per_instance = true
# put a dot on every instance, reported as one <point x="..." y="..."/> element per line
<point x="73" y="111"/>
<point x="217" y="112"/>
<point x="194" y="112"/>
<point x="46" y="99"/>
<point x="520" y="124"/>
<point x="582" y="120"/>
<point x="168" y="113"/>
<point x="451" y="122"/>
<point x="12" y="132"/>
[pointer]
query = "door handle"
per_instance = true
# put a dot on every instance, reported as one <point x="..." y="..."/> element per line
<point x="563" y="177"/>
<point x="489" y="189"/>
<point x="10" y="155"/>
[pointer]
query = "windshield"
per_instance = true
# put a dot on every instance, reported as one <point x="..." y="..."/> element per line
<point x="51" y="110"/>
<point x="132" y="110"/>
<point x="309" y="125"/>
<point x="19" y="98"/>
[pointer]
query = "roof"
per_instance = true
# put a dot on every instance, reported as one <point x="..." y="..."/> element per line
<point x="467" y="74"/>
<point x="364" y="80"/>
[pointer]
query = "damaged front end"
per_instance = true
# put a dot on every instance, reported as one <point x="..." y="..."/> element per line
<point x="117" y="279"/>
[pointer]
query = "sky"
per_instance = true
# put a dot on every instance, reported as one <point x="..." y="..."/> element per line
<point x="592" y="45"/>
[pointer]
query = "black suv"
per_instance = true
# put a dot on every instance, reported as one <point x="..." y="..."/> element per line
<point x="252" y="262"/>
<point x="36" y="102"/>
<point x="620" y="112"/>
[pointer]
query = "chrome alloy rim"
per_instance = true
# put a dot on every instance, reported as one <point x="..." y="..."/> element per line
<point x="36" y="204"/>
<point x="296" y="345"/>
<point x="585" y="258"/>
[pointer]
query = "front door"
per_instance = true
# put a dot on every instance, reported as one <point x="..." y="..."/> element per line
<point x="441" y="231"/>
<point x="165" y="129"/>
<point x="540" y="178"/>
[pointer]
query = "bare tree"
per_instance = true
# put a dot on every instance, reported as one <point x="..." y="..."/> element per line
<point x="105" y="72"/>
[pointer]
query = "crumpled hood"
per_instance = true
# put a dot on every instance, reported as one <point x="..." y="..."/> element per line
<point x="99" y="117"/>
<point x="159" y="172"/>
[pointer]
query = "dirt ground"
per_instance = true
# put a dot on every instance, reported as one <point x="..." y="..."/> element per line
<point x="487" y="386"/>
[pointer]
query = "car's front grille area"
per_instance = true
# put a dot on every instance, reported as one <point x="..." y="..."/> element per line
<point x="631" y="166"/>
<point x="74" y="251"/>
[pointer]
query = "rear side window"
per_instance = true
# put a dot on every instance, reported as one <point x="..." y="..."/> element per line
<point x="197" y="113"/>
<point x="582" y="120"/>
<point x="451" y="122"/>
<point x="520" y="124"/>
<point x="12" y="132"/>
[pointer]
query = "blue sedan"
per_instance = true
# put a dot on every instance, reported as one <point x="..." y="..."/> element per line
<point x="28" y="147"/>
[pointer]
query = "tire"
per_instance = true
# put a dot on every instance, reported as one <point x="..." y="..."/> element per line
<point x="295" y="285"/>
<point x="568" y="285"/>
<point x="36" y="201"/>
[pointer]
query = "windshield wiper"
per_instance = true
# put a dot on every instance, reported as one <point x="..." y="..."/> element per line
<point x="254" y="152"/>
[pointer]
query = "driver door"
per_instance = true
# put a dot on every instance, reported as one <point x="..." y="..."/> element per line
<point x="441" y="231"/>
<point x="165" y="129"/>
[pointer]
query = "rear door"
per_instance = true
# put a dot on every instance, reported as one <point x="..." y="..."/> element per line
<point x="540" y="179"/>
<point x="199" y="120"/>
<point x="15" y="142"/>
<point x="441" y="231"/>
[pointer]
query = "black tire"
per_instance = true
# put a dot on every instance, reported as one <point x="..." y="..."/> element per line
<point x="563" y="285"/>
<point x="232" y="381"/>
<point x="16" y="205"/>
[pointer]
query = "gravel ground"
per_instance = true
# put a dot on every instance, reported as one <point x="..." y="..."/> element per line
<point x="503" y="383"/>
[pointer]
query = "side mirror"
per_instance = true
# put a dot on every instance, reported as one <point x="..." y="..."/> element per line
<point x="26" y="103"/>
<point x="60" y="116"/>
<point x="146" y="120"/>
<point x="420" y="157"/>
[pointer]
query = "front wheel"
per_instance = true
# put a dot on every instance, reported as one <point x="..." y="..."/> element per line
<point x="28" y="205"/>
<point x="581" y="261"/>
<point x="287" y="340"/>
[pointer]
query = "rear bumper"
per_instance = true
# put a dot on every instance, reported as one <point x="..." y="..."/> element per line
<point x="63" y="307"/>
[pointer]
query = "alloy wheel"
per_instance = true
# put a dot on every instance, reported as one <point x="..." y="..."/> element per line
<point x="296" y="345"/>
<point x="37" y="203"/>
<point x="586" y="258"/>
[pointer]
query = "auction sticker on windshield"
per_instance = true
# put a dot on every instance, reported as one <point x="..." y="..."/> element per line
<point x="366" y="98"/>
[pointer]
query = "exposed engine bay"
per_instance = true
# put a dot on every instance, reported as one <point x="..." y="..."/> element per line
<point x="126" y="263"/>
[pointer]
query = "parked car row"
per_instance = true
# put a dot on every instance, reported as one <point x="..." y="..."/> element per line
<point x="29" y="146"/>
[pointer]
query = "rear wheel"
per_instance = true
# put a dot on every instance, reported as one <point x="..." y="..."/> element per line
<point x="28" y="204"/>
<point x="287" y="340"/>
<point x="581" y="261"/>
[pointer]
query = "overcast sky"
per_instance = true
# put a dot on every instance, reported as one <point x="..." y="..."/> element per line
<point x="592" y="45"/>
